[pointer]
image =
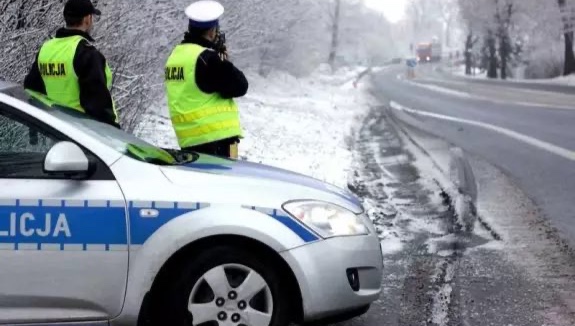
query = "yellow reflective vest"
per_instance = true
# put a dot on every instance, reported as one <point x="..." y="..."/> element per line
<point x="198" y="118"/>
<point x="56" y="65"/>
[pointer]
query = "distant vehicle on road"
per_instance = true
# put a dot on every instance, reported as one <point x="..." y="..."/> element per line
<point x="396" y="61"/>
<point x="429" y="52"/>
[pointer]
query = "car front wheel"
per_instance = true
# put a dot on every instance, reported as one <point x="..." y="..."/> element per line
<point x="225" y="286"/>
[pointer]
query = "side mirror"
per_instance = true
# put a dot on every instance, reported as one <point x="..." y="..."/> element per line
<point x="67" y="159"/>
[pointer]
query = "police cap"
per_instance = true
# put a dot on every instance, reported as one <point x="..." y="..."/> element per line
<point x="204" y="14"/>
<point x="80" y="8"/>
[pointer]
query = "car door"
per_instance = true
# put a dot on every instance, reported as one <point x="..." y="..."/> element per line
<point x="63" y="242"/>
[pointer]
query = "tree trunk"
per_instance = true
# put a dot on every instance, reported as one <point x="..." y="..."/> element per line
<point x="468" y="48"/>
<point x="569" y="66"/>
<point x="503" y="66"/>
<point x="334" y="34"/>
<point x="492" y="59"/>
<point x="504" y="49"/>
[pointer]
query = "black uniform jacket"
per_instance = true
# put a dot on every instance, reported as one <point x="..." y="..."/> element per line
<point x="89" y="65"/>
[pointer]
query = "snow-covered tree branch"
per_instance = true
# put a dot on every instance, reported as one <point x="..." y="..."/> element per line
<point x="136" y="37"/>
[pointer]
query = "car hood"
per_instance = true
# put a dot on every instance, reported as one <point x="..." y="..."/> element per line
<point x="226" y="167"/>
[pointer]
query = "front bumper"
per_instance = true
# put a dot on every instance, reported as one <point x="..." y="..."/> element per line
<point x="321" y="269"/>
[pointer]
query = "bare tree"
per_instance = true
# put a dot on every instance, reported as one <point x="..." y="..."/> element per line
<point x="335" y="21"/>
<point x="136" y="37"/>
<point x="427" y="18"/>
<point x="567" y="16"/>
<point x="475" y="15"/>
<point x="529" y="33"/>
<point x="449" y="12"/>
<point x="470" y="42"/>
<point x="24" y="25"/>
<point x="504" y="11"/>
<point x="494" y="20"/>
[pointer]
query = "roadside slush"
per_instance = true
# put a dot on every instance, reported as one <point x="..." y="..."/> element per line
<point x="540" y="263"/>
<point x="509" y="270"/>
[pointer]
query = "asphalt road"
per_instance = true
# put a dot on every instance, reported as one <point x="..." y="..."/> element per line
<point x="524" y="85"/>
<point x="514" y="268"/>
<point x="440" y="275"/>
<point x="520" y="130"/>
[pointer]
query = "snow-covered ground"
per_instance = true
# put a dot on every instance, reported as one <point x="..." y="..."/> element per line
<point x="562" y="80"/>
<point x="304" y="125"/>
<point x="460" y="71"/>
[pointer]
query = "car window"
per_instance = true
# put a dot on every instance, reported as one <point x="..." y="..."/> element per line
<point x="119" y="140"/>
<point x="23" y="147"/>
<point x="111" y="136"/>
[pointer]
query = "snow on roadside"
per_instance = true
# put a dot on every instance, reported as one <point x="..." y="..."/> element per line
<point x="391" y="245"/>
<point x="403" y="203"/>
<point x="564" y="80"/>
<point x="303" y="125"/>
<point x="460" y="71"/>
<point x="561" y="80"/>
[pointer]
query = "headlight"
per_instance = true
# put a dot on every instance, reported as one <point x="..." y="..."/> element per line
<point x="326" y="219"/>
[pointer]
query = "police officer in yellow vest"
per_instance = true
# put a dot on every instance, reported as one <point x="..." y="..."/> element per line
<point x="201" y="84"/>
<point x="70" y="72"/>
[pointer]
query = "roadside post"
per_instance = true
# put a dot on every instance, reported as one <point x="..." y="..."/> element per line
<point x="411" y="64"/>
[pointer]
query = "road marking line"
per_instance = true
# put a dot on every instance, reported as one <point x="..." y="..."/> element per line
<point x="461" y="94"/>
<point x="443" y="90"/>
<point x="551" y="148"/>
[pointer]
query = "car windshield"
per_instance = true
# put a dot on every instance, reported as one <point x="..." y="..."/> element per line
<point x="115" y="138"/>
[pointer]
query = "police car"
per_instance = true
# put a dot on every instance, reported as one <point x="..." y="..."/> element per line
<point x="100" y="227"/>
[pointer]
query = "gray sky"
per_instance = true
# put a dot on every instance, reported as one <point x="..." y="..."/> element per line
<point x="394" y="10"/>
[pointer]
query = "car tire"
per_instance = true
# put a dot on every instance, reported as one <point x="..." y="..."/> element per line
<point x="198" y="287"/>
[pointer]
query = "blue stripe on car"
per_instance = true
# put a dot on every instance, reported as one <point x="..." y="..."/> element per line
<point x="296" y="227"/>
<point x="81" y="225"/>
<point x="41" y="224"/>
<point x="142" y="228"/>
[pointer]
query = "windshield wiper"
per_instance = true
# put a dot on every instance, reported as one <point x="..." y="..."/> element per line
<point x="151" y="154"/>
<point x="182" y="156"/>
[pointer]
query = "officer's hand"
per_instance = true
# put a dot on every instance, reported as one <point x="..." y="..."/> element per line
<point x="224" y="55"/>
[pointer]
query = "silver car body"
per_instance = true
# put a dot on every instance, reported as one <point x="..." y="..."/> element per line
<point x="78" y="251"/>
